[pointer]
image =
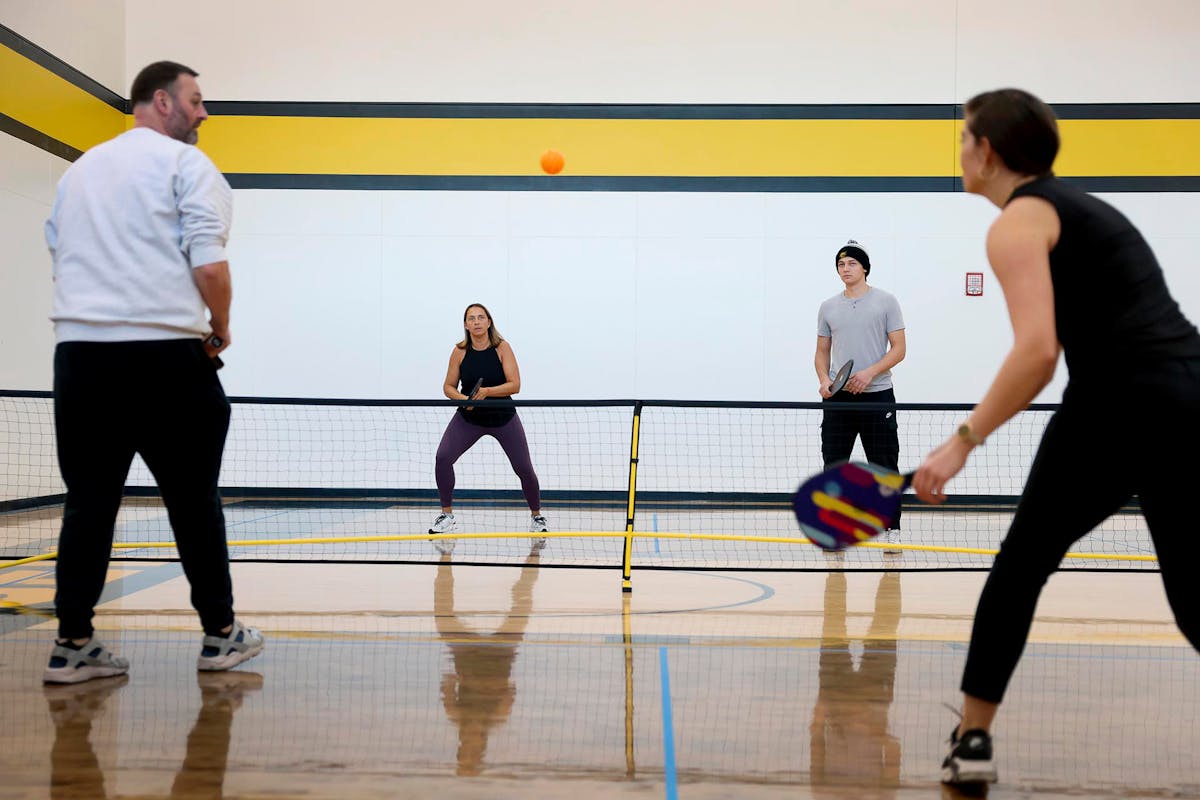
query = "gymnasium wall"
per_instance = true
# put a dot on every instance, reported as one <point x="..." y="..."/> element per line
<point x="89" y="35"/>
<point x="39" y="114"/>
<point x="385" y="165"/>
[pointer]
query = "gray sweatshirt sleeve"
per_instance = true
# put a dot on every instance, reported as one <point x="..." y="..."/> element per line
<point x="205" y="208"/>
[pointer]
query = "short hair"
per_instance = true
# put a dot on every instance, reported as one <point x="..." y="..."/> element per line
<point x="159" y="75"/>
<point x="1020" y="128"/>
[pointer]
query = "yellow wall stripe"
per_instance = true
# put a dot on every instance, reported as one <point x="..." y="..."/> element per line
<point x="605" y="147"/>
<point x="1095" y="147"/>
<point x="372" y="146"/>
<point x="35" y="96"/>
<point x="703" y="148"/>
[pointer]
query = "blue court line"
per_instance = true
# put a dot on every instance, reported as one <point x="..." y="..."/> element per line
<point x="668" y="729"/>
<point x="656" y="550"/>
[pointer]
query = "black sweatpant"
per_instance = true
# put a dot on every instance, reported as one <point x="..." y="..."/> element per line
<point x="162" y="400"/>
<point x="841" y="424"/>
<point x="1097" y="453"/>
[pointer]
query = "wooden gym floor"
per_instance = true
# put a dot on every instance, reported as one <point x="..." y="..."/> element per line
<point x="458" y="681"/>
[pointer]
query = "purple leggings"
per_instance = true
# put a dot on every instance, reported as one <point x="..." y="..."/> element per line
<point x="459" y="437"/>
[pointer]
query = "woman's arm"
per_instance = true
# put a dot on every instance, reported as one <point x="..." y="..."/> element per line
<point x="1018" y="247"/>
<point x="450" y="385"/>
<point x="512" y="375"/>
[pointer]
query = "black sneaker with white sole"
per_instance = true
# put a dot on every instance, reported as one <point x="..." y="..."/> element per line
<point x="970" y="758"/>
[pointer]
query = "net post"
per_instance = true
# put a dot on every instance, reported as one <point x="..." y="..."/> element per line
<point x="626" y="558"/>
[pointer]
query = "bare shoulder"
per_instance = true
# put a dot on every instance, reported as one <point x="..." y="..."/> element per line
<point x="1024" y="221"/>
<point x="457" y="354"/>
<point x="1022" y="237"/>
<point x="504" y="349"/>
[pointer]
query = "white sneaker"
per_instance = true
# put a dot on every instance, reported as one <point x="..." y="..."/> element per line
<point x="78" y="664"/>
<point x="217" y="653"/>
<point x="537" y="524"/>
<point x="445" y="523"/>
<point x="891" y="538"/>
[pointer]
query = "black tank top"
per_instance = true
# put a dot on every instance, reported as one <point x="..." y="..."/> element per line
<point x="484" y="364"/>
<point x="1111" y="304"/>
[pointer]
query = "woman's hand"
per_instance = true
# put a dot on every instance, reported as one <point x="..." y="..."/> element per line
<point x="481" y="393"/>
<point x="942" y="464"/>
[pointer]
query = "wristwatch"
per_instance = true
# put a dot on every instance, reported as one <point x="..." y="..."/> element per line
<point x="965" y="433"/>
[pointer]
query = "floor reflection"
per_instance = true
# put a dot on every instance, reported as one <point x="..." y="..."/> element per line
<point x="477" y="689"/>
<point x="75" y="771"/>
<point x="849" y="736"/>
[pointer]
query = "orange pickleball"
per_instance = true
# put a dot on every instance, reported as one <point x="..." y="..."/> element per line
<point x="553" y="162"/>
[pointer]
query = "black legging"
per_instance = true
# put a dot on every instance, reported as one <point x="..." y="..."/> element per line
<point x="1096" y="454"/>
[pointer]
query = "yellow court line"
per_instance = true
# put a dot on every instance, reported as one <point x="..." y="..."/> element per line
<point x="925" y="548"/>
<point x="29" y="560"/>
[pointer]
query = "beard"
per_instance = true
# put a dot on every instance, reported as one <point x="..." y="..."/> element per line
<point x="178" y="127"/>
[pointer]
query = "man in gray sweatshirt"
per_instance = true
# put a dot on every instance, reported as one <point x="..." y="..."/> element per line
<point x="141" y="310"/>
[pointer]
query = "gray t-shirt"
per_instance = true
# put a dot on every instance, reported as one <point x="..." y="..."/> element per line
<point x="859" y="327"/>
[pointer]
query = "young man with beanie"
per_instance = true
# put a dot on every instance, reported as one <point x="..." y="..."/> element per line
<point x="865" y="324"/>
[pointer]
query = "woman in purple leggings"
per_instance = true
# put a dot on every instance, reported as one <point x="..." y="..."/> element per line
<point x="485" y="359"/>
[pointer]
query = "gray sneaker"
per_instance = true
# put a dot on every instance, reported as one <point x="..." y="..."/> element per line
<point x="92" y="660"/>
<point x="537" y="524"/>
<point x="445" y="523"/>
<point x="242" y="643"/>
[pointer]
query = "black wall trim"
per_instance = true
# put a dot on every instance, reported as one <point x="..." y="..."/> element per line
<point x="38" y="139"/>
<point x="652" y="183"/>
<point x="1137" y="183"/>
<point x="700" y="111"/>
<point x="581" y="110"/>
<point x="1126" y="110"/>
<point x="598" y="183"/>
<point x="15" y="41"/>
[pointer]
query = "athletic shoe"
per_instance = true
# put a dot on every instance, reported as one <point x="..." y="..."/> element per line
<point x="242" y="643"/>
<point x="891" y="538"/>
<point x="969" y="759"/>
<point x="69" y="664"/>
<point x="537" y="524"/>
<point x="445" y="523"/>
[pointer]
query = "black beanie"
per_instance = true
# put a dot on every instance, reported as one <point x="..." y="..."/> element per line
<point x="854" y="250"/>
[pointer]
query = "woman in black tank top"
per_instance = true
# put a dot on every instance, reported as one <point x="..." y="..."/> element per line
<point x="1078" y="276"/>
<point x="483" y="367"/>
